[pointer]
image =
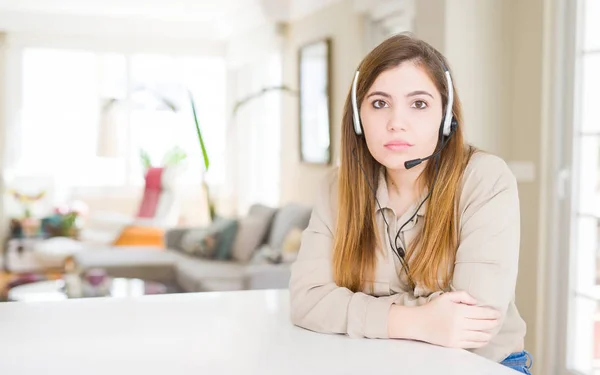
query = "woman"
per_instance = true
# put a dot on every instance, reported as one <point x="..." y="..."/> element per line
<point x="404" y="246"/>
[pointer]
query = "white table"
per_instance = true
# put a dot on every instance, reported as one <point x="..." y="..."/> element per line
<point x="206" y="333"/>
<point x="55" y="290"/>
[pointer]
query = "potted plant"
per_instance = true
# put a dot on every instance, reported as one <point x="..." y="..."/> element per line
<point x="210" y="203"/>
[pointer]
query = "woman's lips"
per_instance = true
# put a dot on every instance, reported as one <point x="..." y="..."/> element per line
<point x="398" y="145"/>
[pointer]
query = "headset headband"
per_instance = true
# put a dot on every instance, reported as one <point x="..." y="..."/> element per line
<point x="447" y="115"/>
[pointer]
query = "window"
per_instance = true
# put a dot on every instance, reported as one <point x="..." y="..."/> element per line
<point x="584" y="317"/>
<point x="86" y="117"/>
<point x="59" y="112"/>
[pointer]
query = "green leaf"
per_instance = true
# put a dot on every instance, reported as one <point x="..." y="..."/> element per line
<point x="204" y="153"/>
<point x="145" y="159"/>
<point x="174" y="156"/>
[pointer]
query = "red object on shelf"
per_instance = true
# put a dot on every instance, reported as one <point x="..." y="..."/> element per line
<point x="152" y="191"/>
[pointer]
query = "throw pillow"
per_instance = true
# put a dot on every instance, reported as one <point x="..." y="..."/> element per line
<point x="287" y="218"/>
<point x="249" y="236"/>
<point x="227" y="229"/>
<point x="150" y="237"/>
<point x="200" y="242"/>
<point x="292" y="240"/>
<point x="214" y="241"/>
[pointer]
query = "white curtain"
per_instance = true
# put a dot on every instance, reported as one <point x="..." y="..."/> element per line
<point x="254" y="135"/>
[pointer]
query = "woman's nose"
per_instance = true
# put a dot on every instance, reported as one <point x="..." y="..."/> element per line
<point x="397" y="121"/>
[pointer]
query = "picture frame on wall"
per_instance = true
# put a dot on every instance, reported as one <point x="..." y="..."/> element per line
<point x="314" y="64"/>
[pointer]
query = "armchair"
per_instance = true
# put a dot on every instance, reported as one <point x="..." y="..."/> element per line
<point x="158" y="210"/>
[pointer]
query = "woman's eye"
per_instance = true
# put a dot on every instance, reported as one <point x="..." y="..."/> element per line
<point x="379" y="104"/>
<point x="419" y="104"/>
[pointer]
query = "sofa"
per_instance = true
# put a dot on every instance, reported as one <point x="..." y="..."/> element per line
<point x="255" y="254"/>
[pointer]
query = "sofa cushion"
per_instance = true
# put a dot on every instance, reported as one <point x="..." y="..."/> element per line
<point x="173" y="238"/>
<point x="198" y="275"/>
<point x="265" y="254"/>
<point x="287" y="218"/>
<point x="266" y="215"/>
<point x="147" y="264"/>
<point x="267" y="276"/>
<point x="249" y="236"/>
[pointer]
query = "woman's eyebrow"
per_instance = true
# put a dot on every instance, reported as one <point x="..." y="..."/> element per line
<point x="418" y="92"/>
<point x="412" y="93"/>
<point x="384" y="94"/>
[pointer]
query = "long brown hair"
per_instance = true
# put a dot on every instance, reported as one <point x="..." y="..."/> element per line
<point x="356" y="237"/>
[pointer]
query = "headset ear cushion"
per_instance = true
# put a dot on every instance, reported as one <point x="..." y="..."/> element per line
<point x="355" y="110"/>
<point x="453" y="125"/>
<point x="357" y="127"/>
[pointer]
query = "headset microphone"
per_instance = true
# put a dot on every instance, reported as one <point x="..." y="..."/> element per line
<point x="413" y="163"/>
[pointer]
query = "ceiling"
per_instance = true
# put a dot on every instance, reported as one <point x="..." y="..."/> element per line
<point x="203" y="19"/>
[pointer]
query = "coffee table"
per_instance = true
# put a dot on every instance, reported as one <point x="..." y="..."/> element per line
<point x="54" y="290"/>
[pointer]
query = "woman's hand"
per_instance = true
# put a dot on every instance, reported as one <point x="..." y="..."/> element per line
<point x="453" y="320"/>
<point x="450" y="320"/>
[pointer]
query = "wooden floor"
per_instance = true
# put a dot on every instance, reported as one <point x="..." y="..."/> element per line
<point x="4" y="278"/>
<point x="24" y="263"/>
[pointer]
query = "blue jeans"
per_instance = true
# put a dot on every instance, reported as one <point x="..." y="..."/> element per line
<point x="519" y="361"/>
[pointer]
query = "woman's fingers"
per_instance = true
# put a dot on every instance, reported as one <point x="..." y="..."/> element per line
<point x="482" y="324"/>
<point x="478" y="312"/>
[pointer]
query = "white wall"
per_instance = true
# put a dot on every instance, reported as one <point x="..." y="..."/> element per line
<point x="526" y="133"/>
<point x="346" y="30"/>
<point x="475" y="37"/>
<point x="495" y="50"/>
<point x="478" y="43"/>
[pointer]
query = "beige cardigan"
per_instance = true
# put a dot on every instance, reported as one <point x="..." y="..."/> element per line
<point x="486" y="261"/>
